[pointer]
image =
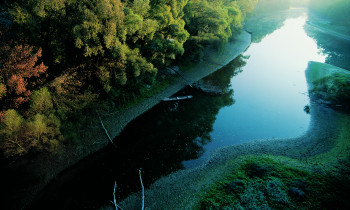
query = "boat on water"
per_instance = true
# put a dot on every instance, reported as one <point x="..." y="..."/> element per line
<point x="178" y="98"/>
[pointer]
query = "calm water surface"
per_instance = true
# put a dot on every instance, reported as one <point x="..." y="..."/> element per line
<point x="271" y="92"/>
<point x="265" y="96"/>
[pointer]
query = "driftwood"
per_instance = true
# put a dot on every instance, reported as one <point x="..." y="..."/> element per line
<point x="143" y="191"/>
<point x="110" y="139"/>
<point x="114" y="200"/>
<point x="178" y="98"/>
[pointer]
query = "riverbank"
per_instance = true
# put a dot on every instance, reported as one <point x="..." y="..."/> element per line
<point x="325" y="26"/>
<point x="212" y="61"/>
<point x="321" y="150"/>
<point x="48" y="168"/>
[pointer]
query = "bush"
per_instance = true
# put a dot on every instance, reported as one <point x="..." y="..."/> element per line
<point x="334" y="89"/>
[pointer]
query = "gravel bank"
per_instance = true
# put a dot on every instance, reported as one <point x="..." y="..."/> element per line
<point x="180" y="189"/>
<point x="212" y="62"/>
<point x="95" y="138"/>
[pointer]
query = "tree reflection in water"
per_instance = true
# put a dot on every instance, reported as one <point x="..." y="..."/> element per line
<point x="158" y="142"/>
<point x="337" y="49"/>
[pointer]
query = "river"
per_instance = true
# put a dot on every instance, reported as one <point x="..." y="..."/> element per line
<point x="265" y="93"/>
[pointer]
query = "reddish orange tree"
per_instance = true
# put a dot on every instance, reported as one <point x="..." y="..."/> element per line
<point x="19" y="73"/>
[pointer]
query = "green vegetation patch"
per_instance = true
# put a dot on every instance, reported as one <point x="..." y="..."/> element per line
<point x="329" y="83"/>
<point x="273" y="182"/>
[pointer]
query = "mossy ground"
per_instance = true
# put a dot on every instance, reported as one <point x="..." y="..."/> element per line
<point x="278" y="182"/>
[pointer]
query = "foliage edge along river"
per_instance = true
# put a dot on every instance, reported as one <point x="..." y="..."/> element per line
<point x="186" y="131"/>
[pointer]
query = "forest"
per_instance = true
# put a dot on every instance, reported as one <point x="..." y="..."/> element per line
<point x="61" y="57"/>
<point x="65" y="62"/>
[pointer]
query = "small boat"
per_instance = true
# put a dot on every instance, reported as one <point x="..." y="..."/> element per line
<point x="178" y="98"/>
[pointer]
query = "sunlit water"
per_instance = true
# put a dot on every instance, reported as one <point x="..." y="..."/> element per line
<point x="271" y="92"/>
<point x="267" y="101"/>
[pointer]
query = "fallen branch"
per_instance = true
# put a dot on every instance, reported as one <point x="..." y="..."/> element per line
<point x="114" y="200"/>
<point x="110" y="139"/>
<point x="143" y="191"/>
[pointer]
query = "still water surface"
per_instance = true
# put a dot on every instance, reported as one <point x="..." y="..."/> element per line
<point x="265" y="96"/>
<point x="270" y="93"/>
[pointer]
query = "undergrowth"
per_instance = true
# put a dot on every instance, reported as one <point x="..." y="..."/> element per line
<point x="274" y="182"/>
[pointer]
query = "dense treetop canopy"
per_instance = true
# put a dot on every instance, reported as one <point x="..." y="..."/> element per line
<point x="59" y="56"/>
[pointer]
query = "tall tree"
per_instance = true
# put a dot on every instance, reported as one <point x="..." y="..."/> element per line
<point x="11" y="129"/>
<point x="20" y="73"/>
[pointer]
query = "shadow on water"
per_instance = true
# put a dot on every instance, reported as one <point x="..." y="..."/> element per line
<point x="158" y="142"/>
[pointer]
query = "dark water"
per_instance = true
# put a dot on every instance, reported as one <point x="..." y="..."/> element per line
<point x="265" y="94"/>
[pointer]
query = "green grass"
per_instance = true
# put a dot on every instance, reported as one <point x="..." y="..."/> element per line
<point x="329" y="83"/>
<point x="278" y="182"/>
<point x="270" y="182"/>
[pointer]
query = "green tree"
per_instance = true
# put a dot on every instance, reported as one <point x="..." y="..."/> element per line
<point x="41" y="101"/>
<point x="98" y="26"/>
<point x="11" y="131"/>
<point x="170" y="35"/>
<point x="43" y="23"/>
<point x="212" y="23"/>
<point x="43" y="133"/>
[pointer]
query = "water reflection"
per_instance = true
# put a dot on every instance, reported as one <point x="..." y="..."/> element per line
<point x="158" y="142"/>
<point x="269" y="99"/>
<point x="271" y="92"/>
<point x="337" y="49"/>
<point x="264" y="24"/>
